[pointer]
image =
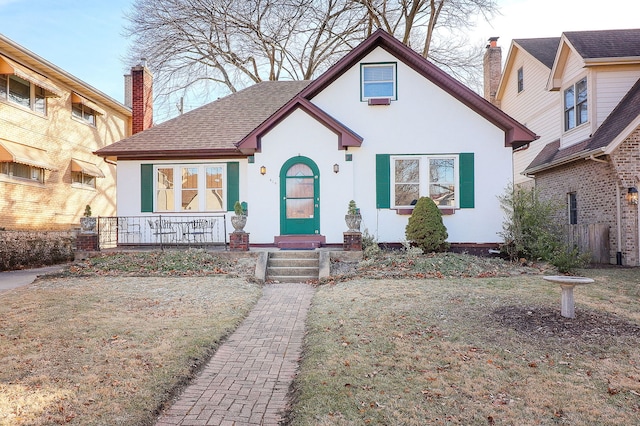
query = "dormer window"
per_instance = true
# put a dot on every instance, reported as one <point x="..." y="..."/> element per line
<point x="575" y="105"/>
<point x="378" y="81"/>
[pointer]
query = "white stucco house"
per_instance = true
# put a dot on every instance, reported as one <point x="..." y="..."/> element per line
<point x="383" y="126"/>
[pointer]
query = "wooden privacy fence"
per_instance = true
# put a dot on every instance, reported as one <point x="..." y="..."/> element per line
<point x="592" y="238"/>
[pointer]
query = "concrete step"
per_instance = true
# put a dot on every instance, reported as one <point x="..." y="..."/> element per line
<point x="310" y="241"/>
<point x="289" y="262"/>
<point x="294" y="270"/>
<point x="293" y="266"/>
<point x="291" y="279"/>
<point x="293" y="254"/>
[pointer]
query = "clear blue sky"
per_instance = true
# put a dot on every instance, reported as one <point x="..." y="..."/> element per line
<point x="85" y="37"/>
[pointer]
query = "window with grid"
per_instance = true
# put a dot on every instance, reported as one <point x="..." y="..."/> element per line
<point x="575" y="105"/>
<point x="418" y="176"/>
<point x="192" y="187"/>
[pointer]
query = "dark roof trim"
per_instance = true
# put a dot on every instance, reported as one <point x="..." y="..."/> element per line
<point x="346" y="137"/>
<point x="515" y="133"/>
<point x="183" y="154"/>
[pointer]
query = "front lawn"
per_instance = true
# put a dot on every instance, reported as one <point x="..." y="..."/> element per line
<point x="485" y="351"/>
<point x="110" y="350"/>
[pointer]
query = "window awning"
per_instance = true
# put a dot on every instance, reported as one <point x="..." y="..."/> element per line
<point x="86" y="168"/>
<point x="77" y="99"/>
<point x="8" y="66"/>
<point x="23" y="154"/>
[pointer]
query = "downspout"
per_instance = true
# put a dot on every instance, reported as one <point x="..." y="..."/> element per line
<point x="619" y="226"/>
<point x="591" y="157"/>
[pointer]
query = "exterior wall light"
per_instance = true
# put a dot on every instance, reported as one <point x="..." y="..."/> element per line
<point x="632" y="195"/>
<point x="336" y="168"/>
<point x="263" y="170"/>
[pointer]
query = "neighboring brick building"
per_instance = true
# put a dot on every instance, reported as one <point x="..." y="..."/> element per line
<point x="50" y="124"/>
<point x="581" y="94"/>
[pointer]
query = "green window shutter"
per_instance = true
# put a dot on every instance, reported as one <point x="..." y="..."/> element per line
<point x="146" y="188"/>
<point x="383" y="181"/>
<point x="233" y="184"/>
<point x="467" y="189"/>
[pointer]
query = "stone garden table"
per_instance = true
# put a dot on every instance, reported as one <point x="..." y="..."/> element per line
<point x="568" y="283"/>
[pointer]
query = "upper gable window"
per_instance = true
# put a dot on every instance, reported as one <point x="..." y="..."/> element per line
<point x="22" y="92"/>
<point x="575" y="105"/>
<point x="520" y="80"/>
<point x="378" y="81"/>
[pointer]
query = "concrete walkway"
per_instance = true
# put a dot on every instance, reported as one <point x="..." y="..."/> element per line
<point x="247" y="380"/>
<point x="14" y="279"/>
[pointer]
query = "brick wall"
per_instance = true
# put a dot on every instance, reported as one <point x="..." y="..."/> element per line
<point x="141" y="99"/>
<point x="596" y="185"/>
<point x="58" y="204"/>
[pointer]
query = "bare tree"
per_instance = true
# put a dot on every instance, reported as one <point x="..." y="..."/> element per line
<point x="194" y="46"/>
<point x="435" y="29"/>
<point x="234" y="43"/>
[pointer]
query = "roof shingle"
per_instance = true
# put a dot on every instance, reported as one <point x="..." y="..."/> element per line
<point x="543" y="49"/>
<point x="216" y="126"/>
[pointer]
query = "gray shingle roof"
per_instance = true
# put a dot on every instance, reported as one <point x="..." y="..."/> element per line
<point x="606" y="43"/>
<point x="543" y="49"/>
<point x="216" y="126"/>
<point x="623" y="114"/>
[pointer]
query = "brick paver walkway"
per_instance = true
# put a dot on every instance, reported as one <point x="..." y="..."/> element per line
<point x="247" y="380"/>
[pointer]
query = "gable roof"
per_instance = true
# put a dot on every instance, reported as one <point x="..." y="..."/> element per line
<point x="515" y="133"/>
<point x="543" y="49"/>
<point x="211" y="130"/>
<point x="620" y="123"/>
<point x="233" y="126"/>
<point x="605" y="44"/>
<point x="606" y="47"/>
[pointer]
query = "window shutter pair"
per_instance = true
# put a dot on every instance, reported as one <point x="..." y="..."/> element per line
<point x="146" y="180"/>
<point x="466" y="175"/>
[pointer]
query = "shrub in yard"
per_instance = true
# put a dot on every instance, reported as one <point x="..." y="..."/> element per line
<point x="531" y="231"/>
<point x="425" y="228"/>
<point x="370" y="247"/>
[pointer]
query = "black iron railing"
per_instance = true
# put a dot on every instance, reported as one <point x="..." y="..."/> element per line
<point x="162" y="231"/>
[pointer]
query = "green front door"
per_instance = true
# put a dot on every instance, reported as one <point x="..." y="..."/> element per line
<point x="299" y="197"/>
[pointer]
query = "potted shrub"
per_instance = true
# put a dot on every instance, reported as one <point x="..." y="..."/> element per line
<point x="87" y="222"/>
<point x="240" y="219"/>
<point x="353" y="217"/>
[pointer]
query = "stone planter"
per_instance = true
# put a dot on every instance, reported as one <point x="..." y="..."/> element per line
<point x="238" y="223"/>
<point x="88" y="225"/>
<point x="353" y="222"/>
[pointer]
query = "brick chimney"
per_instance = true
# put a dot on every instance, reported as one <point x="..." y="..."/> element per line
<point x="138" y="88"/>
<point x="492" y="67"/>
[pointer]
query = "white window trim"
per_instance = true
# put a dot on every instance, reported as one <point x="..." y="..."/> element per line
<point x="85" y="109"/>
<point x="394" y="80"/>
<point x="81" y="184"/>
<point x="424" y="177"/>
<point x="177" y="186"/>
<point x="11" y="178"/>
<point x="575" y="105"/>
<point x="32" y="97"/>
